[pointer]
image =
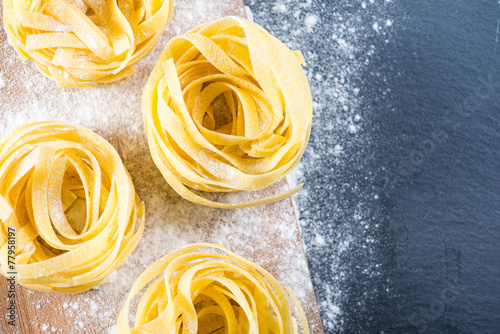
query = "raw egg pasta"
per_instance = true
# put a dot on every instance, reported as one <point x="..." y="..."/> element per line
<point x="227" y="108"/>
<point x="200" y="291"/>
<point x="78" y="42"/>
<point x="72" y="204"/>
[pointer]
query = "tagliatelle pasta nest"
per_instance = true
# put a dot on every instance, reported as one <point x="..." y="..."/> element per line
<point x="227" y="108"/>
<point x="201" y="292"/>
<point x="78" y="42"/>
<point x="72" y="204"/>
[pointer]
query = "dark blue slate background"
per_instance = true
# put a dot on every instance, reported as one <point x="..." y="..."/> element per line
<point x="409" y="209"/>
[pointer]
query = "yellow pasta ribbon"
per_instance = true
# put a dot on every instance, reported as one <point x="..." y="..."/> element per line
<point x="258" y="132"/>
<point x="79" y="42"/>
<point x="196" y="291"/>
<point x="72" y="204"/>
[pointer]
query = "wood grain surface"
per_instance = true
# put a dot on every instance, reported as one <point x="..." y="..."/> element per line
<point x="276" y="244"/>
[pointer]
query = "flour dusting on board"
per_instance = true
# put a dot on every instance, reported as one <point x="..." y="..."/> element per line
<point x="2" y="81"/>
<point x="114" y="112"/>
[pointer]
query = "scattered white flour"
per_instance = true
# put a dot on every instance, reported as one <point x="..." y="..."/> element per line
<point x="172" y="222"/>
<point x="337" y="41"/>
<point x="310" y="21"/>
<point x="319" y="240"/>
<point x="280" y="7"/>
<point x="337" y="149"/>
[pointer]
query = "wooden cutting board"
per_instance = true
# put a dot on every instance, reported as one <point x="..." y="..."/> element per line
<point x="268" y="235"/>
